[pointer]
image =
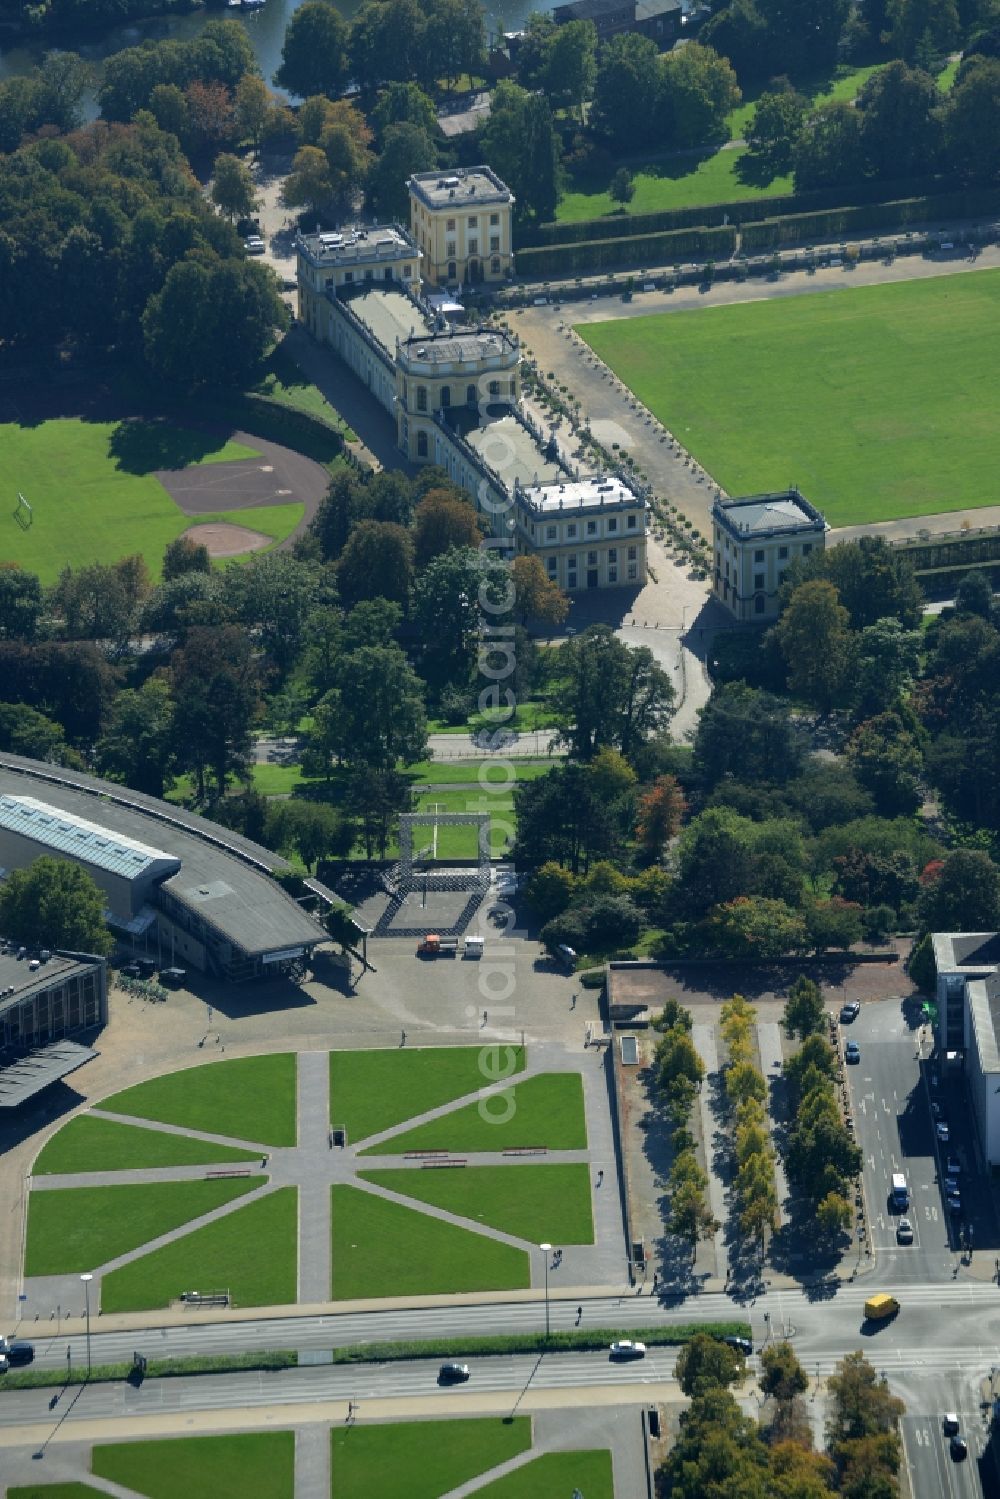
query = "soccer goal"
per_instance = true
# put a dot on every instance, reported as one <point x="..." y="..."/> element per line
<point x="23" y="513"/>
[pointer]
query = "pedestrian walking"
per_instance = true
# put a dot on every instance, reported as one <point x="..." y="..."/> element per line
<point x="572" y="1003"/>
<point x="402" y="1038"/>
<point x="263" y="1162"/>
<point x="600" y="1177"/>
<point x="484" y="1017"/>
<point x="579" y="1315"/>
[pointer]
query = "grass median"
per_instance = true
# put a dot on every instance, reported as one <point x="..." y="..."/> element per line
<point x="577" y="1340"/>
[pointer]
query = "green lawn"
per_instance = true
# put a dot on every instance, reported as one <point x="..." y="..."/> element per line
<point x="544" y="1110"/>
<point x="439" y="772"/>
<point x="252" y="1253"/>
<point x="93" y="490"/>
<point x="418" y="1459"/>
<point x="691" y="181"/>
<point x="285" y="382"/>
<point x="529" y="715"/>
<point x="249" y="1098"/>
<point x="842" y="393"/>
<point x="380" y="1248"/>
<point x="537" y="1203"/>
<point x="227" y="1467"/>
<point x="89" y="1144"/>
<point x="372" y="1090"/>
<point x="588" y="1473"/>
<point x="276" y="521"/>
<point x="79" y="1228"/>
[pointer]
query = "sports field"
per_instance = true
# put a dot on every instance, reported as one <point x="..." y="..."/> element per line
<point x="95" y="498"/>
<point x="877" y="402"/>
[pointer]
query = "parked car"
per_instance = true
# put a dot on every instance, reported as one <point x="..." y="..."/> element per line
<point x="952" y="1166"/>
<point x="852" y="1052"/>
<point x="943" y="1132"/>
<point x="937" y="1109"/>
<point x="954" y="1204"/>
<point x="951" y="1185"/>
<point x="904" y="1231"/>
<point x="627" y="1349"/>
<point x="850" y="1011"/>
<point x="453" y="1373"/>
<point x="254" y="245"/>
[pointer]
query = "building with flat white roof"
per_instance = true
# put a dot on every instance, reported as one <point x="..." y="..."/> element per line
<point x="588" y="533"/>
<point x="755" y="539"/>
<point x="968" y="1023"/>
<point x="463" y="223"/>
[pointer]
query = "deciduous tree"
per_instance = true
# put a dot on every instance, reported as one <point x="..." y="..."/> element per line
<point x="54" y="903"/>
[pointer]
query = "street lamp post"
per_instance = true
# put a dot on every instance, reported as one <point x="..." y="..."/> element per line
<point x="546" y="1250"/>
<point x="87" y="1278"/>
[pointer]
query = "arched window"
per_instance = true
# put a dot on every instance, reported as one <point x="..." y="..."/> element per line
<point x="421" y="444"/>
<point x="446" y="395"/>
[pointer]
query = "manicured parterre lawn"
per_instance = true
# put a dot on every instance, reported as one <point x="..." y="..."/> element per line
<point x="422" y="1460"/>
<point x="537" y="1203"/>
<point x="249" y="1098"/>
<point x="89" y="1144"/>
<point x="261" y="1464"/>
<point x="544" y="1110"/>
<point x="438" y="772"/>
<point x="79" y="1228"/>
<point x="94" y="494"/>
<point x="878" y="402"/>
<point x="372" y="1090"/>
<point x="380" y="1248"/>
<point x="252" y="1253"/>
<point x="553" y="1473"/>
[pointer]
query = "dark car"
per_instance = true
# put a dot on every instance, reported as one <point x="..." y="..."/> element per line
<point x="850" y="1011"/>
<point x="743" y="1345"/>
<point x="20" y="1353"/>
<point x="959" y="1448"/>
<point x="453" y="1373"/>
<point x="852" y="1052"/>
<point x="131" y="971"/>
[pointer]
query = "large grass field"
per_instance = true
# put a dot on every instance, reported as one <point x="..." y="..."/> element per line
<point x="372" y="1090"/>
<point x="419" y="1459"/>
<point x="381" y="1248"/>
<point x="878" y="402"/>
<point x="261" y="1464"/>
<point x="55" y="1491"/>
<point x="537" y="1203"/>
<point x="79" y="1228"/>
<point x="249" y="1098"/>
<point x="544" y="1110"/>
<point x="251" y="1253"/>
<point x="587" y="1473"/>
<point x="89" y="1144"/>
<point x="94" y="493"/>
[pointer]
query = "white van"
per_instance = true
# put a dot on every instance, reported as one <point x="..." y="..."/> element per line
<point x="900" y="1192"/>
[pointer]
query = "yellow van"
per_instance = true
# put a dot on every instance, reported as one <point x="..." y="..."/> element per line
<point x="879" y="1308"/>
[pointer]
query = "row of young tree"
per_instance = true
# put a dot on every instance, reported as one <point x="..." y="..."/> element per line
<point x="680" y="1072"/>
<point x="720" y="1450"/>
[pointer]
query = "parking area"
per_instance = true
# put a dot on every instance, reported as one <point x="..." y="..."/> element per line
<point x="913" y="1122"/>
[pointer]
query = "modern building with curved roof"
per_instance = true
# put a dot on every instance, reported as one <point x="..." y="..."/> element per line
<point x="179" y="886"/>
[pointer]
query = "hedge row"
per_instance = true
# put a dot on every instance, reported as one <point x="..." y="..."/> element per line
<point x="629" y="250"/>
<point x="771" y="234"/>
<point x="265" y="417"/>
<point x="747" y="211"/>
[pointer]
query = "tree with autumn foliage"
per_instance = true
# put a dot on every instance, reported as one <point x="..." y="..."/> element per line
<point x="444" y="518"/>
<point x="536" y="596"/>
<point x="661" y="809"/>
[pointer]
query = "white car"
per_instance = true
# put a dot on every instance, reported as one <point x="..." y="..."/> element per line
<point x="254" y="245"/>
<point x="943" y="1132"/>
<point x="628" y="1349"/>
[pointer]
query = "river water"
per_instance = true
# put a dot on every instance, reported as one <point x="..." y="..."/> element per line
<point x="265" y="27"/>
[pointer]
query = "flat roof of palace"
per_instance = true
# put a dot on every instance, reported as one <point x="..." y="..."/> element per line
<point x="578" y="494"/>
<point x="68" y="833"/>
<point x="463" y="187"/>
<point x="361" y="243"/>
<point x="760" y="514"/>
<point x="455" y="345"/>
<point x="511" y="450"/>
<point x="388" y="313"/>
<point x="220" y="875"/>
